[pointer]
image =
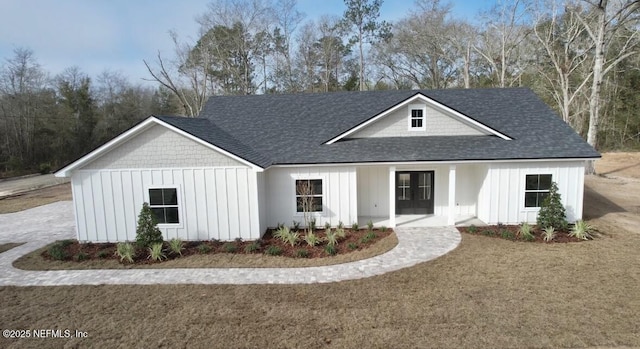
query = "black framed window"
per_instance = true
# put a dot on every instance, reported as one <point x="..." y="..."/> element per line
<point x="164" y="204"/>
<point x="417" y="118"/>
<point x="309" y="194"/>
<point x="536" y="189"/>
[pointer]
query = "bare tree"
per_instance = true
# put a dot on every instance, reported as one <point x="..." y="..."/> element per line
<point x="605" y="20"/>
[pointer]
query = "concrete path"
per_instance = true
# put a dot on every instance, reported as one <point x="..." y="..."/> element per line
<point x="41" y="225"/>
<point x="27" y="183"/>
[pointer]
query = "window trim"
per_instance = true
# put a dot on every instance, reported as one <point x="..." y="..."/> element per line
<point x="323" y="196"/>
<point x="178" y="200"/>
<point x="421" y="107"/>
<point x="525" y="190"/>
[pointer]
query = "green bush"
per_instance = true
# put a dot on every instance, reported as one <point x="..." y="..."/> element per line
<point x="340" y="225"/>
<point x="287" y="236"/>
<point x="548" y="234"/>
<point x="330" y="250"/>
<point x="102" y="254"/>
<point x="147" y="232"/>
<point x="368" y="237"/>
<point x="176" y="246"/>
<point x="370" y="225"/>
<point x="506" y="234"/>
<point x="252" y="247"/>
<point x="58" y="251"/>
<point x="155" y="252"/>
<point x="327" y="226"/>
<point x="524" y="232"/>
<point x="81" y="256"/>
<point x="352" y="246"/>
<point x="204" y="248"/>
<point x="552" y="213"/>
<point x="125" y="251"/>
<point x="383" y="229"/>
<point x="472" y="229"/>
<point x="296" y="225"/>
<point x="331" y="237"/>
<point x="302" y="253"/>
<point x="311" y="239"/>
<point x="341" y="233"/>
<point x="581" y="230"/>
<point x="273" y="250"/>
<point x="229" y="247"/>
<point x="354" y="226"/>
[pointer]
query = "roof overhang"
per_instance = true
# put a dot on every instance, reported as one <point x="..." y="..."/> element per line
<point x="132" y="132"/>
<point x="419" y="97"/>
<point x="434" y="162"/>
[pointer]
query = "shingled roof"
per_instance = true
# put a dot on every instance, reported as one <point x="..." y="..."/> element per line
<point x="293" y="128"/>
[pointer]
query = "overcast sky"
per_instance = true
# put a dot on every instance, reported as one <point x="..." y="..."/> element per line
<point x="118" y="34"/>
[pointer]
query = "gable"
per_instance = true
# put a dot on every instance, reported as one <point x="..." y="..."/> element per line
<point x="160" y="147"/>
<point x="437" y="123"/>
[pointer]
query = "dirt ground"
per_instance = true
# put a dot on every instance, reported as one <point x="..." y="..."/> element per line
<point x="487" y="293"/>
<point x="31" y="199"/>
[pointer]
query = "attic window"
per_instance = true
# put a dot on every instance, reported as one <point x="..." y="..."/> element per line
<point x="417" y="120"/>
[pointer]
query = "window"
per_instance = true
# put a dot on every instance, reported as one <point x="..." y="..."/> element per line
<point x="417" y="118"/>
<point x="164" y="204"/>
<point x="536" y="189"/>
<point x="309" y="195"/>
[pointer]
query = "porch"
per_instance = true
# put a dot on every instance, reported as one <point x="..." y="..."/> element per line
<point x="417" y="220"/>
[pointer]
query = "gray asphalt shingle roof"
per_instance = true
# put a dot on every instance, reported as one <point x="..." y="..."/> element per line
<point x="292" y="129"/>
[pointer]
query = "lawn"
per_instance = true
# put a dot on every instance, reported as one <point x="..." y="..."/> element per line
<point x="487" y="293"/>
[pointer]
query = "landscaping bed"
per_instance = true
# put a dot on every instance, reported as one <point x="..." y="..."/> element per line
<point x="266" y="252"/>
<point x="512" y="232"/>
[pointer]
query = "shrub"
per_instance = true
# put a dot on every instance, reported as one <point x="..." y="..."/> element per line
<point x="327" y="226"/>
<point x="312" y="224"/>
<point x="66" y="243"/>
<point x="176" y="246"/>
<point x="330" y="250"/>
<point x="204" y="248"/>
<point x="487" y="232"/>
<point x="58" y="251"/>
<point x="383" y="229"/>
<point x="472" y="229"/>
<point x="331" y="237"/>
<point x="311" y="239"/>
<point x="341" y="233"/>
<point x="368" y="237"/>
<point x="147" y="232"/>
<point x="273" y="250"/>
<point x="81" y="256"/>
<point x="548" y="234"/>
<point x="302" y="253"/>
<point x="370" y="225"/>
<point x="292" y="238"/>
<point x="252" y="247"/>
<point x="524" y="232"/>
<point x="340" y="225"/>
<point x="506" y="234"/>
<point x="352" y="246"/>
<point x="125" y="251"/>
<point x="229" y="247"/>
<point x="354" y="226"/>
<point x="102" y="254"/>
<point x="581" y="230"/>
<point x="296" y="225"/>
<point x="155" y="252"/>
<point x="552" y="213"/>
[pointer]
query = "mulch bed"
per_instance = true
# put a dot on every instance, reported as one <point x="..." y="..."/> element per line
<point x="355" y="240"/>
<point x="510" y="232"/>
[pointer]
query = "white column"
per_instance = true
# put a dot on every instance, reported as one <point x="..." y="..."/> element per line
<point x="451" y="220"/>
<point x="392" y="196"/>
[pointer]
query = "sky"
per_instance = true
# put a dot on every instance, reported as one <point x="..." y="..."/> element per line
<point x="116" y="35"/>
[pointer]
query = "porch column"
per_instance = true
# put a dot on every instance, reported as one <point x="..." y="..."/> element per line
<point x="452" y="195"/>
<point x="392" y="196"/>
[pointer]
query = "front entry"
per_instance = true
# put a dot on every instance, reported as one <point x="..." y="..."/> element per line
<point x="414" y="192"/>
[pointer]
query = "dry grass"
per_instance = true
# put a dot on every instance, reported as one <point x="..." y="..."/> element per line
<point x="35" y="261"/>
<point x="8" y="246"/>
<point x="35" y="198"/>
<point x="487" y="293"/>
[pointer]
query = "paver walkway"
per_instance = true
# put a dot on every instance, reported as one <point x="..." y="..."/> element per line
<point x="42" y="225"/>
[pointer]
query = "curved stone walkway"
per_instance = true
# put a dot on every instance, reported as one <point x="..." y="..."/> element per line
<point x="42" y="225"/>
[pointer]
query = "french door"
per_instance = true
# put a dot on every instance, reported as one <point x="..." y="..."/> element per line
<point x="414" y="192"/>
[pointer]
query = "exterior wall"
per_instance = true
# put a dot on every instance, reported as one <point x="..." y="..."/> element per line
<point x="339" y="194"/>
<point x="214" y="203"/>
<point x="396" y="124"/>
<point x="262" y="201"/>
<point x="373" y="192"/>
<point x="159" y="147"/>
<point x="502" y="192"/>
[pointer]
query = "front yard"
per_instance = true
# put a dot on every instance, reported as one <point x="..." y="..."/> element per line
<point x="487" y="293"/>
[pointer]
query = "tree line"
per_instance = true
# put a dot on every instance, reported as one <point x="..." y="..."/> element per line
<point x="581" y="56"/>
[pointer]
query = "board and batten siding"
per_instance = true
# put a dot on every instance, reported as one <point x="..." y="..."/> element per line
<point x="438" y="123"/>
<point x="501" y="197"/>
<point x="373" y="188"/>
<point x="339" y="194"/>
<point x="214" y="203"/>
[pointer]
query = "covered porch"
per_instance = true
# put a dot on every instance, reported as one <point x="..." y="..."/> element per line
<point x="419" y="195"/>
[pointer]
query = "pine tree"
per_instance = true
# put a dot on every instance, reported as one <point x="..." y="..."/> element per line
<point x="147" y="232"/>
<point x="552" y="213"/>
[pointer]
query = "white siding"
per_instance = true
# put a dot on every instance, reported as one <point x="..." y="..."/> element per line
<point x="373" y="191"/>
<point x="215" y="203"/>
<point x="438" y="123"/>
<point x="340" y="194"/>
<point x="159" y="147"/>
<point x="501" y="197"/>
